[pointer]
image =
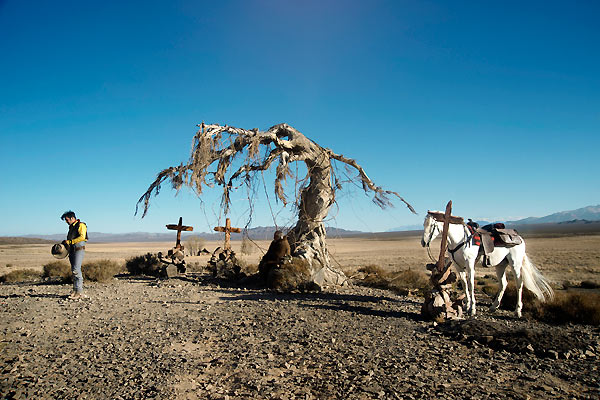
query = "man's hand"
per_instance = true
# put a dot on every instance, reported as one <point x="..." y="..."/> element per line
<point x="64" y="243"/>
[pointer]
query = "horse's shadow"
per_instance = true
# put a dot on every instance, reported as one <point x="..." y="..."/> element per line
<point x="335" y="302"/>
<point x="366" y="311"/>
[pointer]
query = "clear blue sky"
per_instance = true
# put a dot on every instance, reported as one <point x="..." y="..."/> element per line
<point x="494" y="105"/>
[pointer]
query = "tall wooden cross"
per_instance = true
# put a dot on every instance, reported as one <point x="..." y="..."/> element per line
<point x="447" y="218"/>
<point x="227" y="229"/>
<point x="179" y="227"/>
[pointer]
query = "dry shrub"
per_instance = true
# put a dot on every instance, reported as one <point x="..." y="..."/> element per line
<point x="21" y="275"/>
<point x="401" y="282"/>
<point x="194" y="244"/>
<point x="375" y="276"/>
<point x="248" y="269"/>
<point x="195" y="267"/>
<point x="589" y="285"/>
<point x="577" y="307"/>
<point x="291" y="276"/>
<point x="58" y="269"/>
<point x="405" y="282"/>
<point x="147" y="264"/>
<point x="567" y="307"/>
<point x="100" y="270"/>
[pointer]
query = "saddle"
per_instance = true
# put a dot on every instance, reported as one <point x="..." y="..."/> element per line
<point x="496" y="235"/>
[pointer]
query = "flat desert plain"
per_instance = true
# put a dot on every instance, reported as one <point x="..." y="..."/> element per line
<point x="194" y="337"/>
<point x="562" y="259"/>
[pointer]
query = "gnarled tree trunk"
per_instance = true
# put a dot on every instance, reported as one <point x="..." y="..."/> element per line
<point x="220" y="145"/>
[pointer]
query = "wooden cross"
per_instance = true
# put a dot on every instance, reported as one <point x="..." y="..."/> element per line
<point x="447" y="218"/>
<point x="227" y="229"/>
<point x="179" y="227"/>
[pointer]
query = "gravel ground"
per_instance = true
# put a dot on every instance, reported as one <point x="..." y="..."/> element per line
<point x="196" y="338"/>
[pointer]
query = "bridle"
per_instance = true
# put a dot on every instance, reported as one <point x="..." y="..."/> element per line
<point x="437" y="229"/>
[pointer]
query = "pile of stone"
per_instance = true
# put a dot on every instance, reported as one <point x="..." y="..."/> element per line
<point x="223" y="264"/>
<point x="442" y="303"/>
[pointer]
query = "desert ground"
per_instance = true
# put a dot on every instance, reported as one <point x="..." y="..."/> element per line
<point x="194" y="337"/>
<point x="567" y="258"/>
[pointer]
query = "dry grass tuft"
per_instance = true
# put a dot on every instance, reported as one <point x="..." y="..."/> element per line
<point x="21" y="275"/>
<point x="589" y="285"/>
<point x="578" y="307"/>
<point x="566" y="307"/>
<point x="374" y="276"/>
<point x="58" y="269"/>
<point x="101" y="270"/>
<point x="405" y="282"/>
<point x="248" y="269"/>
<point x="401" y="282"/>
<point x="291" y="276"/>
<point x="147" y="264"/>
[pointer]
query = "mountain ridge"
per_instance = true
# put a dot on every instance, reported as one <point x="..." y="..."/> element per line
<point x="588" y="213"/>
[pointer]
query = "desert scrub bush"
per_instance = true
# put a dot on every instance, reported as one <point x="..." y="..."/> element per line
<point x="589" y="285"/>
<point x="100" y="270"/>
<point x="405" y="282"/>
<point x="195" y="267"/>
<point x="574" y="307"/>
<point x="566" y="307"/>
<point x="291" y="276"/>
<point x="147" y="264"/>
<point x="401" y="282"/>
<point x="21" y="275"/>
<point x="194" y="244"/>
<point x="374" y="276"/>
<point x="58" y="269"/>
<point x="247" y="269"/>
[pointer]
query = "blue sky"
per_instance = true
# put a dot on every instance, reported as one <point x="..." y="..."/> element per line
<point x="494" y="105"/>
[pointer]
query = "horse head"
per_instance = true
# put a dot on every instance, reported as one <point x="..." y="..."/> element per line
<point x="431" y="228"/>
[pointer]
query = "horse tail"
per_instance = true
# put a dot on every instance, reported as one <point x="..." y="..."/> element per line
<point x="535" y="281"/>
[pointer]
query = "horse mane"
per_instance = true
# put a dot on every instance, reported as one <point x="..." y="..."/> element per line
<point x="439" y="216"/>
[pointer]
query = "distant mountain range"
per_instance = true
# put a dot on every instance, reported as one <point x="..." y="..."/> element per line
<point x="589" y="213"/>
<point x="258" y="233"/>
<point x="579" y="217"/>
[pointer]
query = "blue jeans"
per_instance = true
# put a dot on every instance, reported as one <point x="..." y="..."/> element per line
<point x="76" y="258"/>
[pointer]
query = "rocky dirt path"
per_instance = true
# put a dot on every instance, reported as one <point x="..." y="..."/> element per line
<point x="192" y="338"/>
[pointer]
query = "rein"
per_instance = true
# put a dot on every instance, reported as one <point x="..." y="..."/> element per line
<point x="451" y="251"/>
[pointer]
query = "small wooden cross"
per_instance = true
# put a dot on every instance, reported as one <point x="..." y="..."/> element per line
<point x="227" y="229"/>
<point x="179" y="227"/>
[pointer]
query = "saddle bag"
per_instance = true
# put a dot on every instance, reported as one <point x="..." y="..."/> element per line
<point x="509" y="237"/>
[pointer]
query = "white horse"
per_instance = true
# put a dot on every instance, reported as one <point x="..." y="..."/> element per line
<point x="465" y="254"/>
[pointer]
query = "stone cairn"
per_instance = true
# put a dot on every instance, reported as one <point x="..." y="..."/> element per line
<point x="441" y="303"/>
<point x="173" y="263"/>
<point x="223" y="263"/>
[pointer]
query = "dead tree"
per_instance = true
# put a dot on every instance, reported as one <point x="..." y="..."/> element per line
<point x="217" y="148"/>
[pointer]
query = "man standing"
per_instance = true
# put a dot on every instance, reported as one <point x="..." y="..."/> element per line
<point x="75" y="242"/>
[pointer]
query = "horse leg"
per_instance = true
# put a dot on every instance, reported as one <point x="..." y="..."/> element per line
<point x="470" y="267"/>
<point x="463" y="278"/>
<point x="501" y="275"/>
<point x="519" y="282"/>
